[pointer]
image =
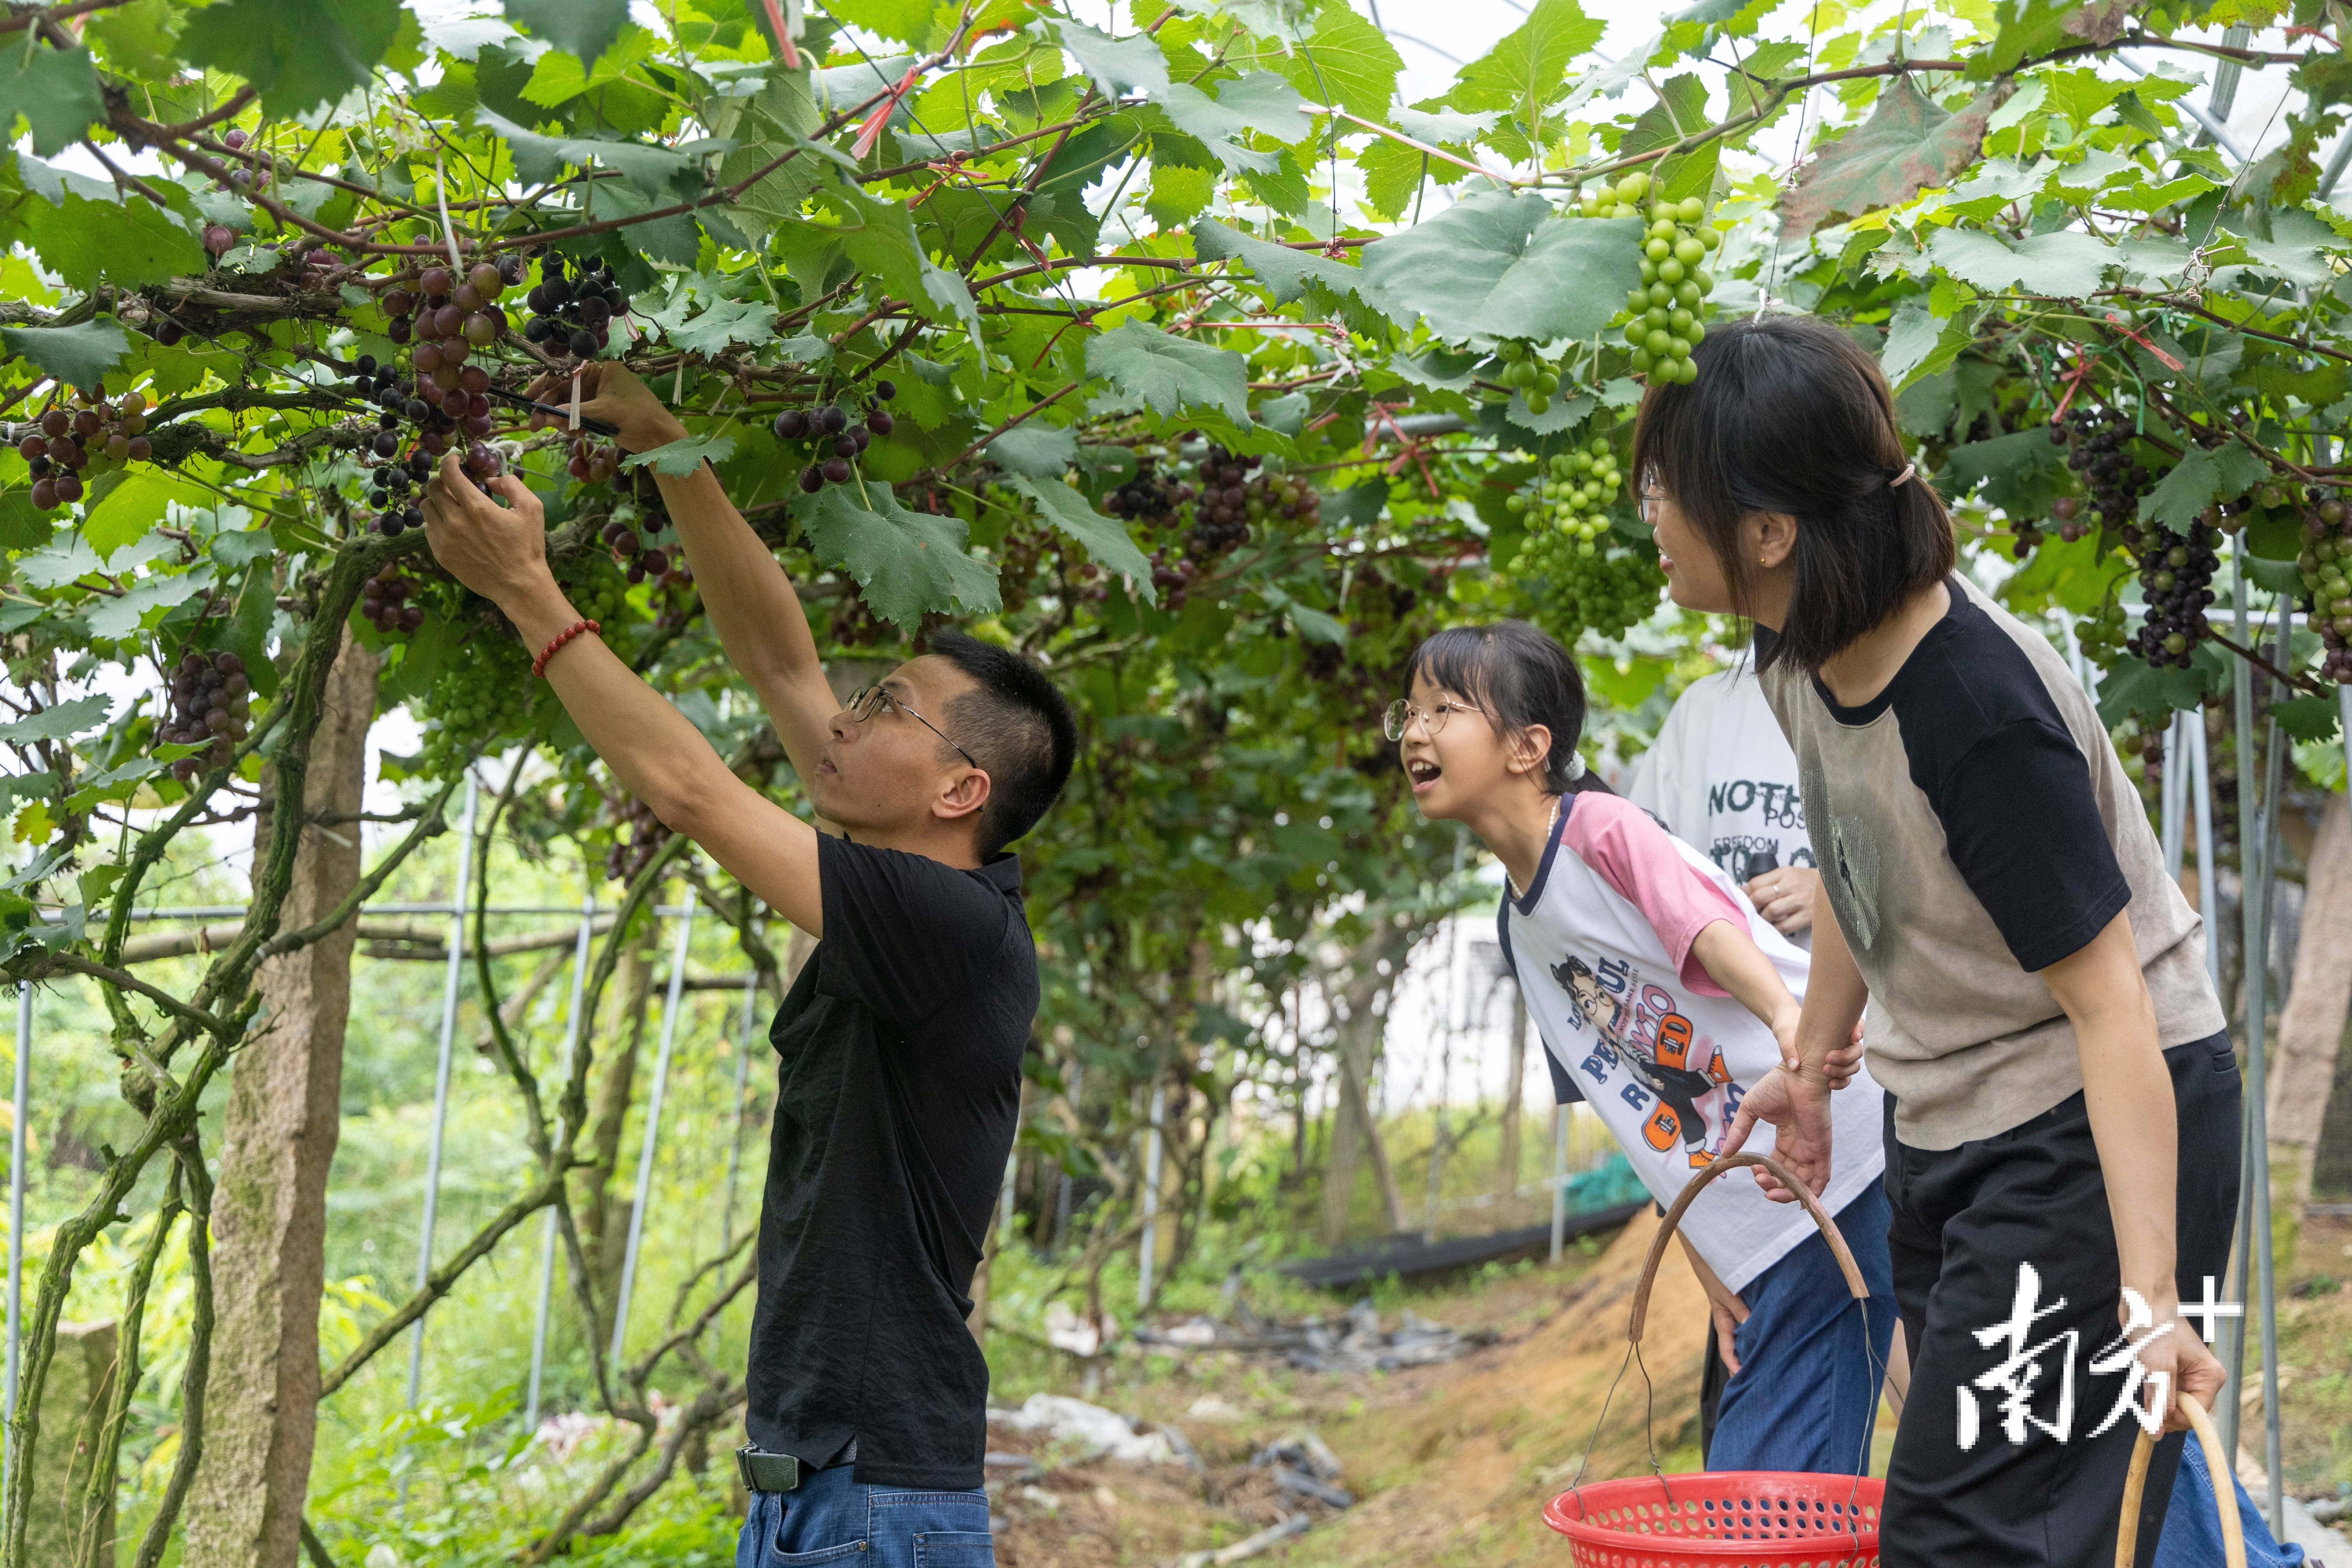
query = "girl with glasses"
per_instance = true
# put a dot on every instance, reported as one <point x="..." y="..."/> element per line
<point x="1663" y="996"/>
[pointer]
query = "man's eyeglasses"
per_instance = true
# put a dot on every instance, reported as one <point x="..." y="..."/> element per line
<point x="1400" y="715"/>
<point x="868" y="700"/>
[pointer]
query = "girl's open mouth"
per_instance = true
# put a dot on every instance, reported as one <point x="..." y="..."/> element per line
<point x="1422" y="772"/>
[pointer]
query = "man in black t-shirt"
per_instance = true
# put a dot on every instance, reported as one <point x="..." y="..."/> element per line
<point x="899" y="1046"/>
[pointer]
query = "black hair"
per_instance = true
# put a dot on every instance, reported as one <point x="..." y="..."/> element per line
<point x="1522" y="677"/>
<point x="1790" y="414"/>
<point x="1017" y="725"/>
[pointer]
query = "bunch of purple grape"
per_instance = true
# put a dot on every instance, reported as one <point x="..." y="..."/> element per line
<point x="2174" y="574"/>
<point x="385" y="601"/>
<point x="638" y="559"/>
<point x="1221" y="520"/>
<point x="62" y="446"/>
<point x="574" y="315"/>
<point x="623" y="860"/>
<point x="1148" y="499"/>
<point x="830" y="425"/>
<point x="2112" y="477"/>
<point x="210" y="706"/>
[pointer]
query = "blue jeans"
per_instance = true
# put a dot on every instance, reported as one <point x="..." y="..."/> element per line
<point x="832" y="1519"/>
<point x="2192" y="1524"/>
<point x="1806" y="1393"/>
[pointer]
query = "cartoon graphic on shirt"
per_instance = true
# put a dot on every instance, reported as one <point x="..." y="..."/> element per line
<point x="1656" y="1044"/>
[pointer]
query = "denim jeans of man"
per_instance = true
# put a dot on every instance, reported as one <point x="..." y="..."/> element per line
<point x="830" y="1518"/>
<point x="1807" y="1387"/>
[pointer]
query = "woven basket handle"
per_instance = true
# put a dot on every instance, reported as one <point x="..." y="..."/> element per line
<point x="1853" y="1281"/>
<point x="2233" y="1534"/>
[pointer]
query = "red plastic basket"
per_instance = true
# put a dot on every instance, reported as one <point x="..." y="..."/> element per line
<point x="1751" y="1519"/>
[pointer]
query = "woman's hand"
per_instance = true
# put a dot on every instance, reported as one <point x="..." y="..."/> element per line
<point x="609" y="392"/>
<point x="1798" y="1109"/>
<point x="1785" y="897"/>
<point x="499" y="551"/>
<point x="1841" y="1063"/>
<point x="2189" y="1366"/>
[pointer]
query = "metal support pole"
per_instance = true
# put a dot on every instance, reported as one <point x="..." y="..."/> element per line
<point x="2257" y="1105"/>
<point x="1559" y="1115"/>
<point x="652" y="1130"/>
<point x="2242" y="695"/>
<point x="735" y="1137"/>
<point x="2208" y="890"/>
<point x="2223" y="98"/>
<point x="16" y="1224"/>
<point x="2176" y="792"/>
<point x="1150" y="1256"/>
<point x="452" y="981"/>
<point x="2336" y="161"/>
<point x="571" y="1036"/>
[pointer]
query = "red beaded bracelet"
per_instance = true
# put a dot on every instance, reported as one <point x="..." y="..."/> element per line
<point x="555" y="644"/>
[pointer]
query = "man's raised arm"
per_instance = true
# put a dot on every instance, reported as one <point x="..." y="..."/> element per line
<point x="749" y="600"/>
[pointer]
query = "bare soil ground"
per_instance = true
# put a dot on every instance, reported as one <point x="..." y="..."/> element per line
<point x="1452" y="1465"/>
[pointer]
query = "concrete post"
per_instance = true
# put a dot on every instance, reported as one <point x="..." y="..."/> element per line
<point x="270" y="1212"/>
<point x="74" y="1406"/>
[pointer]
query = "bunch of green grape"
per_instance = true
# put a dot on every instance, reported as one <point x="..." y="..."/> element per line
<point x="484" y="690"/>
<point x="1667" y="315"/>
<point x="1526" y="372"/>
<point x="1571" y="495"/>
<point x="2100" y="634"/>
<point x="1593" y="579"/>
<point x="482" y="693"/>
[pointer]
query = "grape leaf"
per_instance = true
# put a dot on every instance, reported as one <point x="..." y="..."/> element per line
<point x="2133" y="686"/>
<point x="724" y="323"/>
<point x="79" y="355"/>
<point x="119" y="616"/>
<point x="1260" y="101"/>
<point x="2199" y="479"/>
<point x="1036" y="451"/>
<point x="679" y="459"/>
<point x="55" y="90"/>
<point x="1347" y="61"/>
<point x="127" y="243"/>
<point x="1911" y="336"/>
<point x="2063" y="263"/>
<point x="909" y="21"/>
<point x="299" y="54"/>
<point x="2306" y="717"/>
<point x="1529" y="67"/>
<point x="1908" y="144"/>
<point x="1178" y="194"/>
<point x="141" y="497"/>
<point x="1501" y="266"/>
<point x="1171" y="374"/>
<point x="906" y="563"/>
<point x="1105" y="538"/>
<point x="583" y="28"/>
<point x="657" y="171"/>
<point x="1118" y="64"/>
<point x="62" y="722"/>
<point x="23" y="526"/>
<point x="1284" y="272"/>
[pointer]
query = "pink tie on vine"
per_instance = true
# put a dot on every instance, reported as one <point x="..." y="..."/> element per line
<point x="783" y="39"/>
<point x="871" y="132"/>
